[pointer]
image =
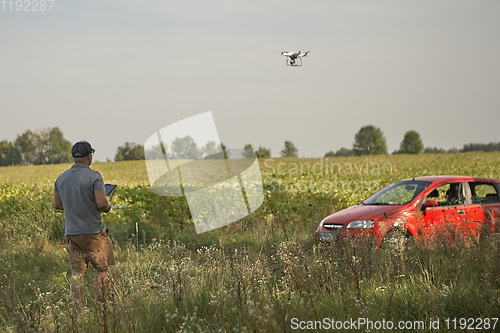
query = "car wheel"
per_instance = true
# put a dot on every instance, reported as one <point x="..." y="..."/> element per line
<point x="398" y="241"/>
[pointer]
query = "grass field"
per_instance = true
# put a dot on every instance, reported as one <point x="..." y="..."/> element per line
<point x="264" y="273"/>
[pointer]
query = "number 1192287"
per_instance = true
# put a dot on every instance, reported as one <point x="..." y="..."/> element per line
<point x="471" y="323"/>
<point x="26" y="5"/>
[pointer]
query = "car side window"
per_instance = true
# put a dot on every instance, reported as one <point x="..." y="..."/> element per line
<point x="448" y="194"/>
<point x="483" y="192"/>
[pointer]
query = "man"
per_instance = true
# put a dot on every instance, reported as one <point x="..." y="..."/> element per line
<point x="79" y="191"/>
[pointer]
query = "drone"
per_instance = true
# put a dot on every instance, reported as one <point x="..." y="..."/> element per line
<point x="294" y="58"/>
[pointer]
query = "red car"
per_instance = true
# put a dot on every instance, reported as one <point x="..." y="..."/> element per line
<point x="420" y="208"/>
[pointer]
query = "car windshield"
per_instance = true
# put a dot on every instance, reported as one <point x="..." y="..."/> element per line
<point x="399" y="193"/>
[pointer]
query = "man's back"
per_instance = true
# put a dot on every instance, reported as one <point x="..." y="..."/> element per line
<point x="76" y="188"/>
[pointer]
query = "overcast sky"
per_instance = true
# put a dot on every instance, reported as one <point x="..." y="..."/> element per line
<point x="112" y="72"/>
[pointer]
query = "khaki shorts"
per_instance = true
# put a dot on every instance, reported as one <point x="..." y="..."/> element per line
<point x="94" y="248"/>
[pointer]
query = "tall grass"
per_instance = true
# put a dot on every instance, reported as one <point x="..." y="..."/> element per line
<point x="254" y="275"/>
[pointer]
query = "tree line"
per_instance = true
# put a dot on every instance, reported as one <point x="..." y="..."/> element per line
<point x="180" y="148"/>
<point x="45" y="146"/>
<point x="186" y="148"/>
<point x="370" y="140"/>
<point x="48" y="146"/>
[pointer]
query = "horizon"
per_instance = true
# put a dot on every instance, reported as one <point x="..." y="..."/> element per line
<point x="171" y="154"/>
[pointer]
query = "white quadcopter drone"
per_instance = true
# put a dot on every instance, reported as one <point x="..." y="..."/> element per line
<point x="294" y="58"/>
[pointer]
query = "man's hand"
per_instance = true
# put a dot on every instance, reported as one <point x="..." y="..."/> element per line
<point x="101" y="200"/>
<point x="57" y="201"/>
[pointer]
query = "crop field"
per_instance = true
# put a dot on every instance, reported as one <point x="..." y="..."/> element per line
<point x="263" y="273"/>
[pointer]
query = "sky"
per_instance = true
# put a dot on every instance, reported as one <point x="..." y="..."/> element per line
<point x="111" y="71"/>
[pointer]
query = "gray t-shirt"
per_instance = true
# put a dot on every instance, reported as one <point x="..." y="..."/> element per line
<point x="76" y="188"/>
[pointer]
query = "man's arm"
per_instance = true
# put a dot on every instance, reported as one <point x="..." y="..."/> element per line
<point x="57" y="201"/>
<point x="101" y="200"/>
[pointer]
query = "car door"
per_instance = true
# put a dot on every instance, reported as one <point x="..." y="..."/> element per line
<point x="471" y="216"/>
<point x="453" y="216"/>
<point x="486" y="195"/>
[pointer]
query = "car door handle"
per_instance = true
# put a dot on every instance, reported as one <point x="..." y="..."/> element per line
<point x="460" y="212"/>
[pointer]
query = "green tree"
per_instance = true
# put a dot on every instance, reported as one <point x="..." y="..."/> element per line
<point x="344" y="152"/>
<point x="263" y="152"/>
<point x="130" y="152"/>
<point x="369" y="141"/>
<point x="56" y="148"/>
<point x="492" y="146"/>
<point x="46" y="146"/>
<point x="411" y="144"/>
<point x="210" y="149"/>
<point x="9" y="155"/>
<point x="290" y="150"/>
<point x="330" y="154"/>
<point x="155" y="152"/>
<point x="434" y="150"/>
<point x="248" y="151"/>
<point x="27" y="145"/>
<point x="185" y="148"/>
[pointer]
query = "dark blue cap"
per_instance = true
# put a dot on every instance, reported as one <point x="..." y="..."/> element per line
<point x="82" y="149"/>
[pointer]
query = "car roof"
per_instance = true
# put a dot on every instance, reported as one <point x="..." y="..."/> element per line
<point x="454" y="178"/>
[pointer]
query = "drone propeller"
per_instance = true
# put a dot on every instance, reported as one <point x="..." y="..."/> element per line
<point x="304" y="54"/>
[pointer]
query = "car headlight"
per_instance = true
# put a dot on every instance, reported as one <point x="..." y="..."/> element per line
<point x="364" y="224"/>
